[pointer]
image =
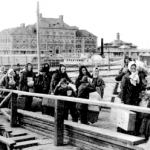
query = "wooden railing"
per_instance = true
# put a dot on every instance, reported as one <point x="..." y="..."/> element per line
<point x="59" y="121"/>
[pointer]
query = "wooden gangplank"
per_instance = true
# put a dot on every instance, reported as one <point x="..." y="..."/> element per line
<point x="83" y="136"/>
<point x="23" y="139"/>
<point x="78" y="135"/>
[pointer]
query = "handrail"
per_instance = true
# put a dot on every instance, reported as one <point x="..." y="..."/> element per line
<point x="84" y="101"/>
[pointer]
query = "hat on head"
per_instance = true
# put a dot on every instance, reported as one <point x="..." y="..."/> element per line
<point x="43" y="69"/>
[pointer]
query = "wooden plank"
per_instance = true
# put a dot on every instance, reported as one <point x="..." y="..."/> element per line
<point x="13" y="120"/>
<point x="132" y="140"/>
<point x="5" y="100"/>
<point x="21" y="145"/>
<point x="123" y="138"/>
<point x="84" y="101"/>
<point x="4" y="112"/>
<point x="40" y="125"/>
<point x="102" y="142"/>
<point x="38" y="130"/>
<point x="59" y="123"/>
<point x="88" y="145"/>
<point x="23" y="138"/>
<point x="17" y="133"/>
<point x="7" y="141"/>
<point x="39" y="147"/>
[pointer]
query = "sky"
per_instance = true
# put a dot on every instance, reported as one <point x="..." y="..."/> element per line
<point x="103" y="18"/>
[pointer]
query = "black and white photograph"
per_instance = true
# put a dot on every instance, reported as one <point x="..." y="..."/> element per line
<point x="74" y="75"/>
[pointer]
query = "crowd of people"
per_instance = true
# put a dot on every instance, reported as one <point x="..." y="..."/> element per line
<point x="58" y="83"/>
<point x="134" y="92"/>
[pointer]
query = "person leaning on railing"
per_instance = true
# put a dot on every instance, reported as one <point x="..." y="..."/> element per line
<point x="83" y="92"/>
<point x="8" y="82"/>
<point x="49" y="104"/>
<point x="64" y="90"/>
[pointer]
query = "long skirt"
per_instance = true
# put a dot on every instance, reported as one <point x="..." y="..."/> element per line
<point x="145" y="126"/>
<point x="92" y="116"/>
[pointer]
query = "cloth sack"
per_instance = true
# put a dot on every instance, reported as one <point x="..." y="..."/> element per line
<point x="72" y="86"/>
<point x="94" y="96"/>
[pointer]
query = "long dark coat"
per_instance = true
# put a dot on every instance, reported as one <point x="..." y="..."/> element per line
<point x="23" y="83"/>
<point x="129" y="93"/>
<point x="83" y="92"/>
<point x="78" y="80"/>
<point x="145" y="125"/>
<point x="57" y="76"/>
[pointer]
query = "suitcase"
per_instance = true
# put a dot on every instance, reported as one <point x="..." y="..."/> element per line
<point x="126" y="119"/>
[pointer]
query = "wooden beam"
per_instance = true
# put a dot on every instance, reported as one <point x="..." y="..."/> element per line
<point x="84" y="101"/>
<point x="5" y="100"/>
<point x="4" y="112"/>
<point x="59" y="123"/>
<point x="7" y="141"/>
<point x="13" y="120"/>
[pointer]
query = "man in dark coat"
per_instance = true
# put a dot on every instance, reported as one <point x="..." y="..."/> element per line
<point x="83" y="92"/>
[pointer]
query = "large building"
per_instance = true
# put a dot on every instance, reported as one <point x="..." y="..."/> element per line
<point x="55" y="37"/>
<point x="117" y="48"/>
<point x="117" y="43"/>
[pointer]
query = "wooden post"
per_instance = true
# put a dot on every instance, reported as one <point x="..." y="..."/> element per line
<point x="13" y="119"/>
<point x="59" y="123"/>
<point x="108" y="60"/>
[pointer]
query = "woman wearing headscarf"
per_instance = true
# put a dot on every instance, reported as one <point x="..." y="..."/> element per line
<point x="26" y="83"/>
<point x="8" y="82"/>
<point x="129" y="85"/>
<point x="82" y="72"/>
<point x="57" y="76"/>
<point x="84" y="90"/>
<point x="98" y="82"/>
<point x="48" y="105"/>
<point x="124" y="69"/>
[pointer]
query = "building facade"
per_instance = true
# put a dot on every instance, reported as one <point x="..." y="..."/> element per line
<point x="56" y="37"/>
<point x="117" y="47"/>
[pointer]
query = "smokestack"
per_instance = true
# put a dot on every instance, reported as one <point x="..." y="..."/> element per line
<point x="102" y="47"/>
<point x="118" y="36"/>
<point x="61" y="17"/>
<point x="22" y="25"/>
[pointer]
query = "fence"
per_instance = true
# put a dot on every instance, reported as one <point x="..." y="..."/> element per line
<point x="59" y="121"/>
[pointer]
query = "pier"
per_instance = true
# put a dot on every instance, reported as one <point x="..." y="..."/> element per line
<point x="59" y="132"/>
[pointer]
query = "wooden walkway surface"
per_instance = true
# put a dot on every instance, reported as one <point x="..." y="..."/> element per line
<point x="28" y="140"/>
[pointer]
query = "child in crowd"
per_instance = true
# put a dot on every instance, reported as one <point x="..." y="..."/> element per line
<point x="64" y="90"/>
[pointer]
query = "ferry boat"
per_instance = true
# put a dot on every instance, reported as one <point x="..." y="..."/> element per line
<point x="77" y="59"/>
